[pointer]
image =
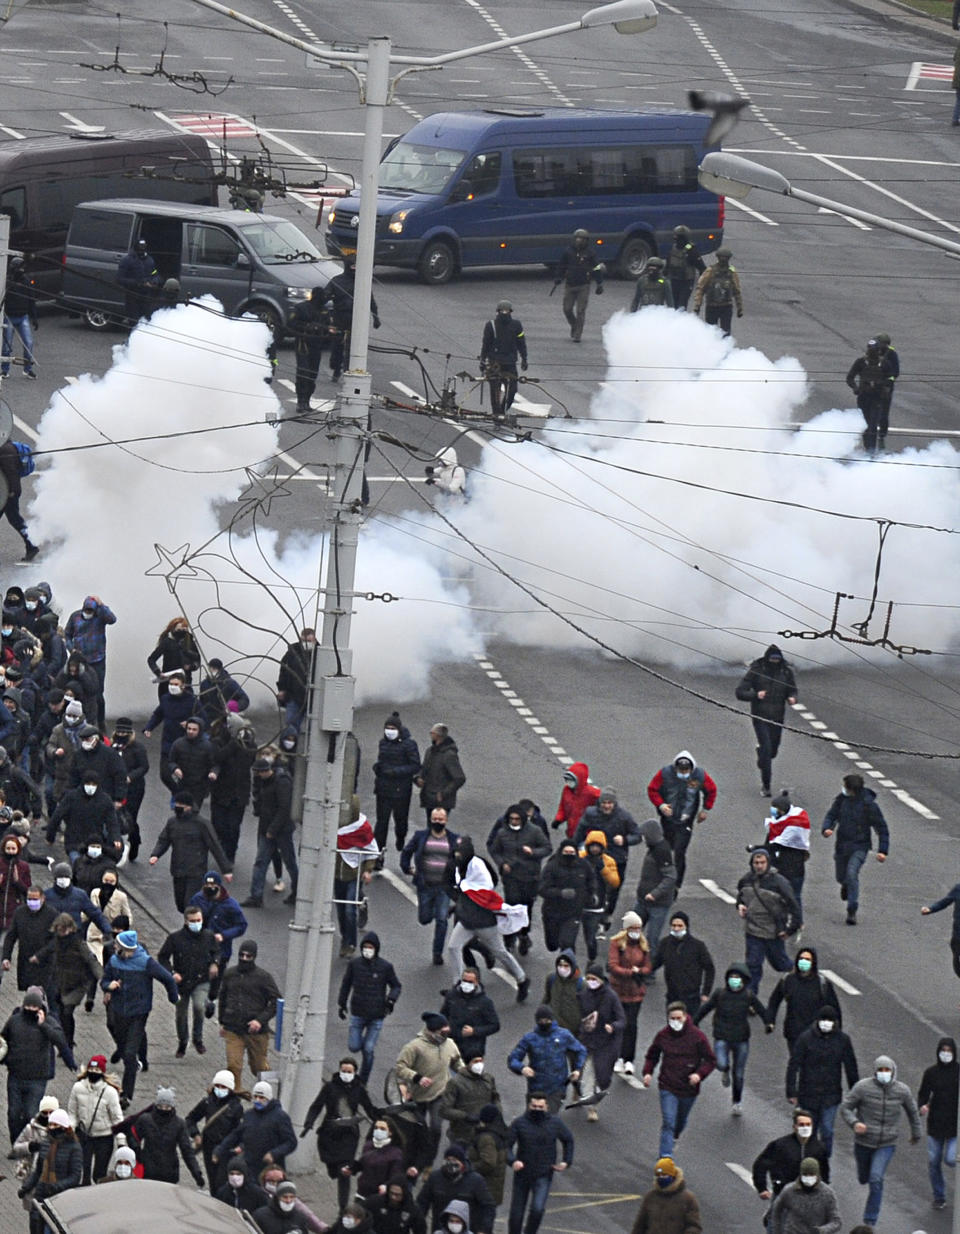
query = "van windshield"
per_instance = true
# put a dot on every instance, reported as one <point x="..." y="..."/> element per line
<point x="279" y="244"/>
<point x="419" y="169"/>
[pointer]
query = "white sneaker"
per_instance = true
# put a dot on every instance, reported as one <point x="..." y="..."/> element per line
<point x="736" y="1109"/>
<point x="593" y="1114"/>
<point x="628" y="1069"/>
<point x="619" y="1067"/>
<point x="278" y="885"/>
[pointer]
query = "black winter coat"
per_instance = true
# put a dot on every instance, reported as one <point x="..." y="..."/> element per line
<point x="777" y="682"/>
<point x="295" y="673"/>
<point x="371" y="986"/>
<point x="406" y="1219"/>
<point x="190" y="955"/>
<point x="443" y="777"/>
<point x="246" y="996"/>
<point x="534" y="1142"/>
<point x="478" y="1011"/>
<point x="687" y="966"/>
<point x="815" y="1068"/>
<point x="271" y="1220"/>
<point x="272" y="799"/>
<point x="73" y="966"/>
<point x="802" y="996"/>
<point x="560" y="876"/>
<point x="939" y="1089"/>
<point x="260" y="1132"/>
<point x="397" y="764"/>
<point x="469" y="1186"/>
<point x="337" y="1142"/>
<point x="213" y="1119"/>
<point x="108" y="765"/>
<point x="31" y="931"/>
<point x="781" y="1161"/>
<point x="136" y="763"/>
<point x="731" y="1008"/>
<point x="195" y="758"/>
<point x="192" y="839"/>
<point x="161" y="1137"/>
<point x="853" y="818"/>
<point x="506" y="849"/>
<point x="30" y="1046"/>
<point x="234" y="761"/>
<point x="658" y="874"/>
<point x="83" y="816"/>
<point x="619" y="822"/>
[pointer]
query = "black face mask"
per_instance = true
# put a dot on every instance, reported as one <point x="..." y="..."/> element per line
<point x="120" y="739"/>
<point x="210" y="892"/>
<point x="537" y="1115"/>
<point x="544" y="1026"/>
<point x="181" y="811"/>
<point x="245" y="964"/>
<point x="568" y="858"/>
<point x="451" y="1169"/>
<point x="94" y="1077"/>
<point x="106" y="891"/>
<point x="56" y="1132"/>
<point x="162" y="1113"/>
<point x="436" y="828"/>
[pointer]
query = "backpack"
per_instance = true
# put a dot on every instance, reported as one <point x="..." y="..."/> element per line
<point x="720" y="287"/>
<point x="28" y="464"/>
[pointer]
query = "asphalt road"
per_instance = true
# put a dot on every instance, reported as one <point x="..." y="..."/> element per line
<point x="842" y="110"/>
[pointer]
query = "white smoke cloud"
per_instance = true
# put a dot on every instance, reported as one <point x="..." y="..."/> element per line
<point x="99" y="513"/>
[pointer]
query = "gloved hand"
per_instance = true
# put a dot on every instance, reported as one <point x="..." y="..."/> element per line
<point x="304" y="1133"/>
<point x="342" y="1012"/>
<point x="768" y="1028"/>
<point x="556" y="823"/>
<point x="376" y="323"/>
<point x="88" y="1006"/>
<point x="523" y="365"/>
<point x="21" y="1192"/>
<point x="389" y="1006"/>
<point x="599" y="289"/>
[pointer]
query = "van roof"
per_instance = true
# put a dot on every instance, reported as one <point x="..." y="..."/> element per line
<point x="561" y="120"/>
<point x="19" y="152"/>
<point x="179" y="209"/>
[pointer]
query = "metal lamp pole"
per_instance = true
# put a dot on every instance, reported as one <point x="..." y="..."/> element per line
<point x="330" y="712"/>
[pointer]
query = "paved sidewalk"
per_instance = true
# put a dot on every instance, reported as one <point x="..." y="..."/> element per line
<point x="899" y="13"/>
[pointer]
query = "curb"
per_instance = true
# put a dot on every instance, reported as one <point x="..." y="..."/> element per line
<point x="899" y="13"/>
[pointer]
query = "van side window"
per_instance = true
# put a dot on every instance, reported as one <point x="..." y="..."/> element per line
<point x="484" y="173"/>
<point x="601" y="171"/>
<point x="210" y="246"/>
<point x="14" y="203"/>
<point x="101" y="229"/>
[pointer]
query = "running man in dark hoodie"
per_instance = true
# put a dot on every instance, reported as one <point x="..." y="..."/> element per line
<point x="803" y="992"/>
<point x="731" y="1005"/>
<point x="768" y="685"/>
<point x="820" y="1057"/>
<point x="372" y="987"/>
<point x="853" y="815"/>
<point x="937" y="1099"/>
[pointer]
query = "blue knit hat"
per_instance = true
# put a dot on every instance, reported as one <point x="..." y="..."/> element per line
<point x="128" y="939"/>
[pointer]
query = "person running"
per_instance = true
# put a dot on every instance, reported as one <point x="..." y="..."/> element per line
<point x="685" y="1059"/>
<point x="543" y="1057"/>
<point x="937" y="1099"/>
<point x="807" y="1206"/>
<point x="629" y="963"/>
<point x="731" y="1005"/>
<point x="852" y="816"/>
<point x="533" y="1141"/>
<point x="821" y="1055"/>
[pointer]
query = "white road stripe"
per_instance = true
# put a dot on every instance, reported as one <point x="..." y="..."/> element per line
<point x="902" y="795"/>
<point x="718" y="891"/>
<point x="741" y="1172"/>
<point x="839" y="982"/>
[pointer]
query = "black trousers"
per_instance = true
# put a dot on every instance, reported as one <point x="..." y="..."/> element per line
<point x="399" y="807"/>
<point x="13" y="516"/>
<point x="719" y="315"/>
<point x="872" y="406"/>
<point x="678" y="838"/>
<point x="308" y="365"/>
<point x="768" y="743"/>
<point x="681" y="289"/>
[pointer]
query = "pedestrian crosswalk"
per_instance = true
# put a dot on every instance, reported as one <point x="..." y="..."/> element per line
<point x="215" y="125"/>
<point x="922" y="71"/>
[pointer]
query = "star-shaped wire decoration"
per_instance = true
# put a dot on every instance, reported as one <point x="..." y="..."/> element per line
<point x="172" y="564"/>
<point x="263" y="489"/>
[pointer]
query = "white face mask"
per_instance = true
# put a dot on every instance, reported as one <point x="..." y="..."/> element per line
<point x="63" y="883"/>
<point x="235" y="1180"/>
<point x="593" y="983"/>
<point x="31" y="605"/>
<point x="220" y="1093"/>
<point x="455" y="1227"/>
<point x="884" y="1077"/>
<point x="380" y="1137"/>
<point x="633" y="935"/>
<point x="368" y="952"/>
<point x="945" y="1056"/>
<point x="348" y="1222"/>
<point x="676" y="1025"/>
<point x="564" y="970"/>
<point x="174" y="689"/>
<point x="467" y="987"/>
<point x="678" y="934"/>
<point x="93" y="852"/>
<point x="809" y="1180"/>
<point x="477" y="1067"/>
<point x="123" y="1170"/>
<point x="286" y="1206"/>
<point x="391" y="734"/>
<point x="89" y="745"/>
<point x="346" y="1077"/>
<point x="804" y="1133"/>
<point x="90" y="789"/>
<point x="825" y="1026"/>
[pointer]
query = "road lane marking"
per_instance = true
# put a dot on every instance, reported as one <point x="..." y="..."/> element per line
<point x="718" y="891"/>
<point x="902" y="201"/>
<point x="741" y="1172"/>
<point x="839" y="982"/>
<point x="755" y="214"/>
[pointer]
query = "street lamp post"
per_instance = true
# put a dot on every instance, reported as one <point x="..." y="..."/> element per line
<point x="330" y="712"/>
<point x="736" y="177"/>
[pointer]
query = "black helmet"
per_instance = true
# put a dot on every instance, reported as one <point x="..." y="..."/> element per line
<point x="883" y="340"/>
<point x="15" y="265"/>
<point x="504" y="306"/>
<point x="872" y="345"/>
<point x="581" y="234"/>
<point x="681" y="232"/>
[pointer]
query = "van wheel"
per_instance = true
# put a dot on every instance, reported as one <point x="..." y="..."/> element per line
<point x="633" y="257"/>
<point x="437" y="264"/>
<point x="269" y="316"/>
<point x="98" y="319"/>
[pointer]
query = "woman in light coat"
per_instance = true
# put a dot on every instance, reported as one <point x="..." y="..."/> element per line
<point x="94" y="1109"/>
<point x="113" y="903"/>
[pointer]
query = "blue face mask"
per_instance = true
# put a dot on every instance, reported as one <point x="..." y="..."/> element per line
<point x="194" y="926"/>
<point x="735" y="983"/>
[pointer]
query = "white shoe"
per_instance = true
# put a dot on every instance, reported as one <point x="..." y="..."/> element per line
<point x="278" y="885"/>
<point x="619" y="1067"/>
<point x="736" y="1109"/>
<point x="628" y="1069"/>
<point x="593" y="1114"/>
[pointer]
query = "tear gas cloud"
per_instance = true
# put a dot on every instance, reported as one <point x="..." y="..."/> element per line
<point x="672" y="573"/>
<point x="99" y="513"/>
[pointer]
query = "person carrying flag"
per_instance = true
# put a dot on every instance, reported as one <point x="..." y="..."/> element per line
<point x="788" y="841"/>
<point x="357" y="853"/>
<point x="479" y="912"/>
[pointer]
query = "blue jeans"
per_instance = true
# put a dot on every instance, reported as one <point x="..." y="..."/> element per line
<point x="940" y="1153"/>
<point x="735" y="1053"/>
<point x="293" y="713"/>
<point x="363" y="1036"/>
<point x="346" y="896"/>
<point x="23" y="1101"/>
<point x="266" y="847"/>
<point x="847" y="867"/>
<point x="674" y="1112"/>
<point x="534" y="1190"/>
<point x="871" y="1166"/>
<point x="23" y="328"/>
<point x="824" y="1119"/>
<point x="770" y="949"/>
<point x="433" y="904"/>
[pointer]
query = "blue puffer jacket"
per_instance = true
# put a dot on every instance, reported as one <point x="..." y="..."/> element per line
<point x="136" y="976"/>
<point x="547" y="1054"/>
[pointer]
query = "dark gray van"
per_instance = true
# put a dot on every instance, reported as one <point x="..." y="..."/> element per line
<point x="252" y="263"/>
<point x="43" y="178"/>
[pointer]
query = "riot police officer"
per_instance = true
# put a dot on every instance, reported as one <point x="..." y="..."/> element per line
<point x="503" y="342"/>
<point x="310" y="326"/>
<point x="684" y="266"/>
<point x="719" y="287"/>
<point x="868" y="378"/>
<point x="652" y="287"/>
<point x="888" y="353"/>
<point x="341" y="294"/>
<point x="576" y="270"/>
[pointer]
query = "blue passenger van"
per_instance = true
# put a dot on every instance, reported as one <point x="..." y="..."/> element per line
<point x="505" y="187"/>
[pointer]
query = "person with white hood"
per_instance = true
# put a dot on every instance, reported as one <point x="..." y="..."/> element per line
<point x="873" y="1108"/>
<point x="446" y="474"/>
<point x="683" y="795"/>
<point x="479" y="911"/>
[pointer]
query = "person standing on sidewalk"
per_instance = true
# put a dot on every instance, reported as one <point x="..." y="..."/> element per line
<point x="532" y="1155"/>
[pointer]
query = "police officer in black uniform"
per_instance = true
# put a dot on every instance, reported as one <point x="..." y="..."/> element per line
<point x="576" y="270"/>
<point x="652" y="287"/>
<point x="310" y="326"/>
<point x="340" y="293"/>
<point x="868" y="378"/>
<point x="503" y="342"/>
<point x="137" y="274"/>
<point x="888" y="353"/>
<point x="684" y="266"/>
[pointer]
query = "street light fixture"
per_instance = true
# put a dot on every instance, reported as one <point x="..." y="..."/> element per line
<point x="309" y="957"/>
<point x="736" y="177"/>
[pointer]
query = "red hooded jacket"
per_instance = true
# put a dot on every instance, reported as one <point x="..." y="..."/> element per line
<point x="573" y="801"/>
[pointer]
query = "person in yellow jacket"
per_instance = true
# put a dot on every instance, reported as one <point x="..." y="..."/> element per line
<point x="605" y="868"/>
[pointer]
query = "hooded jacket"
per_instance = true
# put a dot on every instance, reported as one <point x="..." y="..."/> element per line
<point x="222" y="915"/>
<point x="14" y="881"/>
<point x="82" y="817"/>
<point x="573" y="801"/>
<point x="519" y="869"/>
<point x="853" y="818"/>
<point x="28" y="932"/>
<point x="439" y="1191"/>
<point x="818" y="1062"/>
<point x="803" y="994"/>
<point x="162" y="1135"/>
<point x="371" y="986"/>
<point x="687" y="965"/>
<point x="31" y="1045"/>
<point x="548" y="1054"/>
<point x="774" y="679"/>
<point x="272" y="803"/>
<point x="800" y="1210"/>
<point x="488" y="1155"/>
<point x="61" y="1159"/>
<point x="442" y="775"/>
<point x="940" y="1089"/>
<point x="261" y="1131"/>
<point x="250" y="1196"/>
<point x="731" y="1008"/>
<point x="194" y="758"/>
<point x="271" y="1219"/>
<point x="397" y="764"/>
<point x="460" y="1209"/>
<point x="404" y="1218"/>
<point x="685" y="797"/>
<point x="136" y="975"/>
<point x="658" y="873"/>
<point x="772" y="908"/>
<point x="476" y="1010"/>
<point x="604" y="867"/>
<point x="879" y="1107"/>
<point x="567" y="888"/>
<point x="561" y="993"/>
<point x="598" y="1009"/>
<point x="193" y="840"/>
<point x="247" y="995"/>
<point x="218" y="1117"/>
<point x="623" y="956"/>
<point x="680" y="1055"/>
<point x="669" y="1210"/>
<point x="619" y="822"/>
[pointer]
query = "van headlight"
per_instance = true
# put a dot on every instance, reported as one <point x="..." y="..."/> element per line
<point x="396" y="222"/>
<point x="331" y="217"/>
<point x="299" y="293"/>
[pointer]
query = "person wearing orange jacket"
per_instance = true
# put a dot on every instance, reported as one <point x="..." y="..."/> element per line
<point x="578" y="793"/>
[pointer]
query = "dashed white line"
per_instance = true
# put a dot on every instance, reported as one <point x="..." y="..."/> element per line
<point x="715" y="889"/>
<point x="840" y="983"/>
<point x="521" y="55"/>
